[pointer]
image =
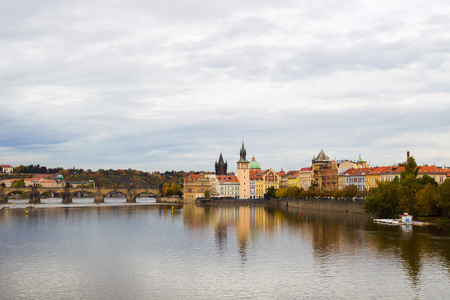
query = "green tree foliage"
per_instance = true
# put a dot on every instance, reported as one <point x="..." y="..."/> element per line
<point x="271" y="193"/>
<point x="425" y="200"/>
<point x="19" y="183"/>
<point x="207" y="194"/>
<point x="442" y="197"/>
<point x="409" y="187"/>
<point x="427" y="179"/>
<point x="384" y="199"/>
<point x="417" y="196"/>
<point x="350" y="191"/>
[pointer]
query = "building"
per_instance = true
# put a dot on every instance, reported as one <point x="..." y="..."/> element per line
<point x="293" y="179"/>
<point x="356" y="177"/>
<point x="305" y="178"/>
<point x="434" y="172"/>
<point x="270" y="179"/>
<point x="325" y="173"/>
<point x="288" y="178"/>
<point x="374" y="175"/>
<point x="6" y="169"/>
<point x="254" y="170"/>
<point x="221" y="166"/>
<point x="195" y="186"/>
<point x="344" y="165"/>
<point x="228" y="186"/>
<point x="243" y="174"/>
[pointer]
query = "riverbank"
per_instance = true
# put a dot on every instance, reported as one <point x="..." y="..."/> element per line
<point x="339" y="206"/>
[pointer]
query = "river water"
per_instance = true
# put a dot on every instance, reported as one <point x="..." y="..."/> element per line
<point x="152" y="251"/>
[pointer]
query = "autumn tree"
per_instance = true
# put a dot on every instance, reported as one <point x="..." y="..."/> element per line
<point x="425" y="200"/>
<point x="383" y="200"/>
<point x="350" y="191"/>
<point x="409" y="187"/>
<point x="442" y="197"/>
<point x="18" y="183"/>
<point x="165" y="189"/>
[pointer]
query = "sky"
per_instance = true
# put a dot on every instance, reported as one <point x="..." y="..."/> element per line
<point x="169" y="85"/>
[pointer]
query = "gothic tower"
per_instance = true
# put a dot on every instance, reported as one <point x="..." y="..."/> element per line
<point x="221" y="166"/>
<point x="243" y="174"/>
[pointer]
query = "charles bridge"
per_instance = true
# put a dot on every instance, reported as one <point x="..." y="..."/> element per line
<point x="67" y="193"/>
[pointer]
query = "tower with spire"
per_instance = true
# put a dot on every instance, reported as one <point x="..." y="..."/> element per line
<point x="221" y="166"/>
<point x="243" y="174"/>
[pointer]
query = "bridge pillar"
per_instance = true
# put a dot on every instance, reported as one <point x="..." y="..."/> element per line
<point x="99" y="197"/>
<point x="35" y="196"/>
<point x="131" y="195"/>
<point x="66" y="196"/>
<point x="3" y="196"/>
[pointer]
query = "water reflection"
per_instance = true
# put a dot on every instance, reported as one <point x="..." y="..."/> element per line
<point x="332" y="236"/>
<point x="190" y="252"/>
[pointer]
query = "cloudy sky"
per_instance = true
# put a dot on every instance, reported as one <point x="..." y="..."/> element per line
<point x="167" y="85"/>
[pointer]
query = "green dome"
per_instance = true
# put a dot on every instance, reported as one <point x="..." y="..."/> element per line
<point x="360" y="159"/>
<point x="254" y="164"/>
<point x="59" y="177"/>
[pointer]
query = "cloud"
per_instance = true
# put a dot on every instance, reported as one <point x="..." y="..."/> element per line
<point x="158" y="86"/>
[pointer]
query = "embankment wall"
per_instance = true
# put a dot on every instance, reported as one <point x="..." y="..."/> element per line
<point x="316" y="204"/>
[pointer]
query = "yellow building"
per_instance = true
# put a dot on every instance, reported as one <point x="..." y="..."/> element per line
<point x="271" y="179"/>
<point x="375" y="175"/>
<point x="293" y="180"/>
<point x="195" y="186"/>
<point x="259" y="187"/>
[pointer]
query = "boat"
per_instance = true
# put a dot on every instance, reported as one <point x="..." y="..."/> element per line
<point x="406" y="219"/>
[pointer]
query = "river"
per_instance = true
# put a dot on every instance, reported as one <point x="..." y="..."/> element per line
<point x="153" y="251"/>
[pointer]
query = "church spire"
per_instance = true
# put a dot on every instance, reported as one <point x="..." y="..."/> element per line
<point x="243" y="154"/>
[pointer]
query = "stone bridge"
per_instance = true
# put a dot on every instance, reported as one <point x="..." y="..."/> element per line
<point x="68" y="193"/>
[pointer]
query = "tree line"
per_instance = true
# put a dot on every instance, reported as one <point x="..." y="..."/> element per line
<point x="169" y="182"/>
<point x="416" y="196"/>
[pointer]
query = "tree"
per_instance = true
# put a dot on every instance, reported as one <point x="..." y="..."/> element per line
<point x="427" y="179"/>
<point x="442" y="197"/>
<point x="165" y="189"/>
<point x="270" y="193"/>
<point x="207" y="194"/>
<point x="279" y="193"/>
<point x="175" y="188"/>
<point x="293" y="192"/>
<point x="383" y="200"/>
<point x="19" y="183"/>
<point x="425" y="200"/>
<point x="409" y="187"/>
<point x="350" y="191"/>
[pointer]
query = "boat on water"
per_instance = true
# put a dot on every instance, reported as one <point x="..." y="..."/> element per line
<point x="406" y="219"/>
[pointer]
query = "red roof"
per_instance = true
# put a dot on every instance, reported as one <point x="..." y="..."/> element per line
<point x="432" y="169"/>
<point x="357" y="171"/>
<point x="227" y="178"/>
<point x="379" y="170"/>
<point x="192" y="177"/>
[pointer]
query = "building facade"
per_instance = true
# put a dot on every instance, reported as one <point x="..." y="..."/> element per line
<point x="243" y="174"/>
<point x="221" y="166"/>
<point x="195" y="186"/>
